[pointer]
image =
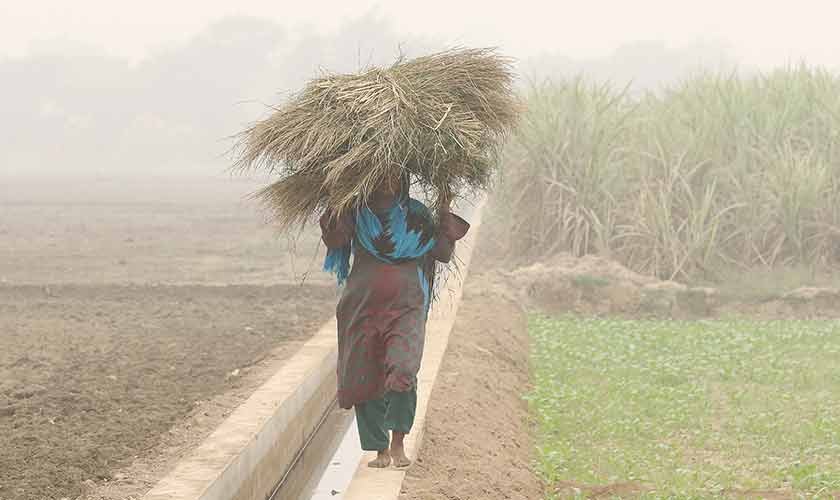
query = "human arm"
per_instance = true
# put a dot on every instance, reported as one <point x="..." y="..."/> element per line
<point x="337" y="232"/>
<point x="451" y="228"/>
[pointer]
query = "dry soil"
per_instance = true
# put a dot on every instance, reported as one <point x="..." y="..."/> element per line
<point x="134" y="315"/>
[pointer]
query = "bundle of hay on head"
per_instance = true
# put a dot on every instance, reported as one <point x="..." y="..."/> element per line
<point x="438" y="121"/>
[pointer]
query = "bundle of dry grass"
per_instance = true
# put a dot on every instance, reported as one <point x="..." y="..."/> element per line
<point x="439" y="119"/>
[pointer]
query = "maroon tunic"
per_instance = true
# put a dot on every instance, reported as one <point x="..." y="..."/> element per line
<point x="382" y="317"/>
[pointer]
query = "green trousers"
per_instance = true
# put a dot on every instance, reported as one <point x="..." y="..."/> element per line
<point x="394" y="412"/>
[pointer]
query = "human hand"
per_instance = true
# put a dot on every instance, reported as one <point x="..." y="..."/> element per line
<point x="453" y="226"/>
<point x="345" y="223"/>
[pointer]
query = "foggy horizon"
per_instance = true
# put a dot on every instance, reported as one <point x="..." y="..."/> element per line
<point x="755" y="33"/>
<point x="109" y="90"/>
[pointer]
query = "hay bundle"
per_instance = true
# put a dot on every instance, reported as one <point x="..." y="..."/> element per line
<point x="438" y="119"/>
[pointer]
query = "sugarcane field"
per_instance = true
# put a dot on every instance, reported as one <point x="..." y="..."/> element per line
<point x="434" y="251"/>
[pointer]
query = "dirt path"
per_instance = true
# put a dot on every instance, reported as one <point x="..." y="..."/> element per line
<point x="478" y="444"/>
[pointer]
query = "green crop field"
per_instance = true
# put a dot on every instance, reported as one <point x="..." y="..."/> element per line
<point x="687" y="409"/>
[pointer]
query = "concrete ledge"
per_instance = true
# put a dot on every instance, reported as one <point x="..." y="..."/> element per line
<point x="379" y="484"/>
<point x="246" y="456"/>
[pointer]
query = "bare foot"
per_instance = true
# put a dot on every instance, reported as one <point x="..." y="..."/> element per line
<point x="382" y="460"/>
<point x="400" y="460"/>
<point x="398" y="451"/>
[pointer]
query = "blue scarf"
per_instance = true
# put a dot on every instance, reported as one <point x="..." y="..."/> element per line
<point x="405" y="233"/>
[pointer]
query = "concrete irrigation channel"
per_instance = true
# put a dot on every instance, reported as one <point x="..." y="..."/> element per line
<point x="289" y="440"/>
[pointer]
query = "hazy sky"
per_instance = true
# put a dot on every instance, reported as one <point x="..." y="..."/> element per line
<point x="760" y="32"/>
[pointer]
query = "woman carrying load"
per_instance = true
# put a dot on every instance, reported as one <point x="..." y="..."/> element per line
<point x="395" y="244"/>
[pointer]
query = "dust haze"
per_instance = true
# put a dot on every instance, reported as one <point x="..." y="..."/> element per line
<point x="73" y="108"/>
